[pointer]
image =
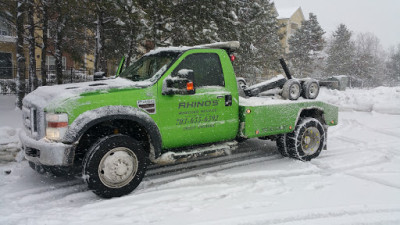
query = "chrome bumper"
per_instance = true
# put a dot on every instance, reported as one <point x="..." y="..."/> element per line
<point x="46" y="152"/>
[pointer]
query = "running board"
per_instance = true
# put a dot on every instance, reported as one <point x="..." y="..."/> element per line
<point x="185" y="155"/>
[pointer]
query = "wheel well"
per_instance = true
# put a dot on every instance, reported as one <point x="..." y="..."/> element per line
<point x="109" y="127"/>
<point x="314" y="113"/>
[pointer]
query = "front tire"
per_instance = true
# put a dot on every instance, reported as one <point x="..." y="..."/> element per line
<point x="307" y="141"/>
<point x="114" y="166"/>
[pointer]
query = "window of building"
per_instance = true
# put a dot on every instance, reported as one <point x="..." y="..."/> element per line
<point x="51" y="63"/>
<point x="4" y="32"/>
<point x="5" y="65"/>
<point x="206" y="67"/>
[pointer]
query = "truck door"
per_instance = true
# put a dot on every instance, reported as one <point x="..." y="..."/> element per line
<point x="207" y="116"/>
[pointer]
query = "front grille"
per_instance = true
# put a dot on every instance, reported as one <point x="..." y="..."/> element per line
<point x="32" y="120"/>
<point x="32" y="152"/>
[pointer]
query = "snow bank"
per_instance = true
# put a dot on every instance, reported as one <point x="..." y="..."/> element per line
<point x="9" y="144"/>
<point x="10" y="123"/>
<point x="381" y="99"/>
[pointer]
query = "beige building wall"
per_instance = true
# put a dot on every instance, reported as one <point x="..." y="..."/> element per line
<point x="292" y="20"/>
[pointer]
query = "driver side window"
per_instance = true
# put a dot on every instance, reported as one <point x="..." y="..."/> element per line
<point x="206" y="68"/>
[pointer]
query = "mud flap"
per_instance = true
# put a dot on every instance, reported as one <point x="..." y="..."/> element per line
<point x="326" y="138"/>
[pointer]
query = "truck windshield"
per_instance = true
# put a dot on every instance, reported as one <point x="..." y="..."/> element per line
<point x="148" y="66"/>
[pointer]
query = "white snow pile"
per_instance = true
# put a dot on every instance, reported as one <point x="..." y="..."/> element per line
<point x="10" y="124"/>
<point x="9" y="144"/>
<point x="381" y="99"/>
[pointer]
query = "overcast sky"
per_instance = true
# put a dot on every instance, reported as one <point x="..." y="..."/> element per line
<point x="381" y="17"/>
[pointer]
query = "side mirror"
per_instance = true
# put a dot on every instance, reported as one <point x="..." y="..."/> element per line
<point x="181" y="83"/>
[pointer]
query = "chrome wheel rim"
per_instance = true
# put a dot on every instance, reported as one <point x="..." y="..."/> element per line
<point x="313" y="90"/>
<point x="294" y="91"/>
<point x="118" y="167"/>
<point x="310" y="140"/>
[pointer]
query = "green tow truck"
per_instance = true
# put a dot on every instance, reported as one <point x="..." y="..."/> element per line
<point x="172" y="103"/>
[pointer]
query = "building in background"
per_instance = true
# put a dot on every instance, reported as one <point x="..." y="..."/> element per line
<point x="8" y="52"/>
<point x="8" y="55"/>
<point x="291" y="19"/>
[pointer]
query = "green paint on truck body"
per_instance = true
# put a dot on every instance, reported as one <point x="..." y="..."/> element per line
<point x="281" y="118"/>
<point x="203" y="117"/>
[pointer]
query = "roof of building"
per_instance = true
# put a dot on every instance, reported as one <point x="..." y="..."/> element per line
<point x="286" y="13"/>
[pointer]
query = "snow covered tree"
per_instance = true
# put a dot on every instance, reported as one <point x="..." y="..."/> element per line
<point x="130" y="29"/>
<point x="33" y="80"/>
<point x="341" y="53"/>
<point x="158" y="21"/>
<point x="260" y="47"/>
<point x="195" y="22"/>
<point x="20" y="52"/>
<point x="44" y="17"/>
<point x="59" y="28"/>
<point x="305" y="45"/>
<point x="369" y="59"/>
<point x="99" y="54"/>
<point x="393" y="66"/>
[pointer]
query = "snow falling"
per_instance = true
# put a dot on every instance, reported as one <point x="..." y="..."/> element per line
<point x="356" y="181"/>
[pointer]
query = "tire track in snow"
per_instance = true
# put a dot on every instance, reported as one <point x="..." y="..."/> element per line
<point x="375" y="180"/>
<point x="308" y="217"/>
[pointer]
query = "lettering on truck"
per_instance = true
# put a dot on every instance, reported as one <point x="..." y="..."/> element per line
<point x="187" y="105"/>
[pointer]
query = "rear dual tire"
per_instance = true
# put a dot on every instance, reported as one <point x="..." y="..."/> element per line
<point x="293" y="89"/>
<point x="305" y="142"/>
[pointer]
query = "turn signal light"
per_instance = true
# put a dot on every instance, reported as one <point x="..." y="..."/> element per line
<point x="189" y="86"/>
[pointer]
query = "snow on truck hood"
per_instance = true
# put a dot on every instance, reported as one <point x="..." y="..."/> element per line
<point x="51" y="95"/>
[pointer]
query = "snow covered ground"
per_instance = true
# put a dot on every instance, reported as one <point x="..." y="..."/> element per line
<point x="356" y="181"/>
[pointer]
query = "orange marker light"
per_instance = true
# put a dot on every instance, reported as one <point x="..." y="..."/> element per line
<point x="57" y="124"/>
<point x="290" y="127"/>
<point x="248" y="111"/>
<point x="189" y="86"/>
<point x="257" y="132"/>
<point x="332" y="122"/>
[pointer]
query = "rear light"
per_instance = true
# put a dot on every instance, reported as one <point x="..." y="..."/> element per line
<point x="233" y="57"/>
<point x="56" y="125"/>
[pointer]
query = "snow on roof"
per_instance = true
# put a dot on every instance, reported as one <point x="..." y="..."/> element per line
<point x="286" y="13"/>
<point x="231" y="45"/>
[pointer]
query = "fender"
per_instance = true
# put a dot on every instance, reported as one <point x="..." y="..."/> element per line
<point x="90" y="118"/>
<point x="301" y="110"/>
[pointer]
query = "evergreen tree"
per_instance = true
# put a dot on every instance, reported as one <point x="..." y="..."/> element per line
<point x="195" y="22"/>
<point x="260" y="47"/>
<point x="341" y="53"/>
<point x="305" y="46"/>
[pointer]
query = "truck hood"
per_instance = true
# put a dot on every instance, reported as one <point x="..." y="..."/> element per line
<point x="52" y="95"/>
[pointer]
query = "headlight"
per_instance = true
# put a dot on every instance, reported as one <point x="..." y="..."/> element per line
<point x="56" y="125"/>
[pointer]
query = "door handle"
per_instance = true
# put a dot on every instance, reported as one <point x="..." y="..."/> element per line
<point x="228" y="100"/>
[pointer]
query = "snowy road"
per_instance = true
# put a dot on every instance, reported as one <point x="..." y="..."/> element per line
<point x="357" y="181"/>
